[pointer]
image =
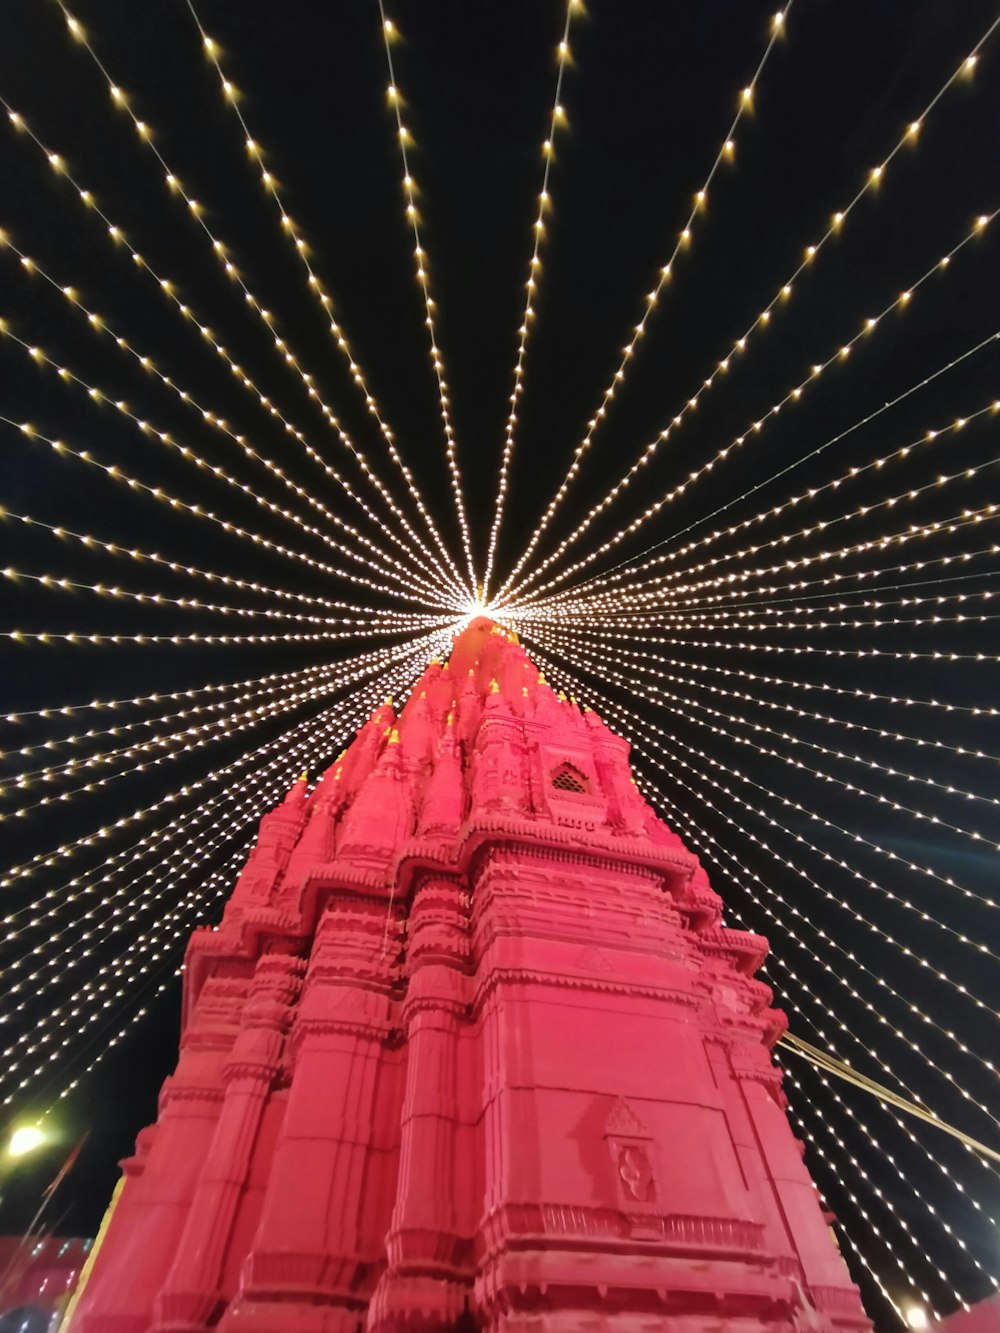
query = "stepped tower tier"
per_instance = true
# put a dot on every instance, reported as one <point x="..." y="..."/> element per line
<point x="471" y="1049"/>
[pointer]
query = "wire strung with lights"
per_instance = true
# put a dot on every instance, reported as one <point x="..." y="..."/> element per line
<point x="761" y="321"/>
<point x="802" y="663"/>
<point x="291" y="230"/>
<point x="557" y="122"/>
<point x="390" y="34"/>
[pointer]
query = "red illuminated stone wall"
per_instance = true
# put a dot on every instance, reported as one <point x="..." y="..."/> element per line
<point x="472" y="1049"/>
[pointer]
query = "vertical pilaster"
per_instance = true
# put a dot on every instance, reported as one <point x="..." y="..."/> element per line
<point x="191" y="1296"/>
<point x="306" y="1270"/>
<point x="421" y="1288"/>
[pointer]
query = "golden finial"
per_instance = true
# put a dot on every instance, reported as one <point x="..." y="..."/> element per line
<point x="305" y="775"/>
<point x="388" y="702"/>
<point x="524" y="691"/>
<point x="393" y="736"/>
<point x="494" y="686"/>
<point x="450" y="720"/>
<point x="562" y="697"/>
<point x="541" y="679"/>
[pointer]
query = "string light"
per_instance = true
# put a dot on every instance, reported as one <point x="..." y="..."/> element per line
<point x="314" y="285"/>
<point x="154" y="842"/>
<point x="658" y="672"/>
<point x="141" y="556"/>
<point x="700" y="837"/>
<point x="934" y="528"/>
<point x="556" y="122"/>
<point x="791" y="397"/>
<point x="190" y="739"/>
<point x="118" y="474"/>
<point x="839" y="437"/>
<point x="209" y="417"/>
<point x="610" y="709"/>
<point x="664" y="275"/>
<point x="132" y="961"/>
<point x="668" y="631"/>
<point x="389" y="34"/>
<point x="379" y="660"/>
<point x="220" y="251"/>
<point x="811" y="815"/>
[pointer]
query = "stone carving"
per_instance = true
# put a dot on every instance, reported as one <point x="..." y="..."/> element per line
<point x="471" y="1050"/>
<point x="636" y="1173"/>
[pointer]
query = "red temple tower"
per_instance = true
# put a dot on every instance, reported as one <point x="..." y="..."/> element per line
<point x="471" y="1050"/>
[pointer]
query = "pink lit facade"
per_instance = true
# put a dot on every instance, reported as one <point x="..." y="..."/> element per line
<point x="471" y="1050"/>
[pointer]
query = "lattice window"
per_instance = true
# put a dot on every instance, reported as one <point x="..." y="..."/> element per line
<point x="569" y="779"/>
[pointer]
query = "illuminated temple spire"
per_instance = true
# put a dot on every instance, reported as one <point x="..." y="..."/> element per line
<point x="471" y="1049"/>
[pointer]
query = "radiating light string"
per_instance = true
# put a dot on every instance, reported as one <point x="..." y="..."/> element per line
<point x="657" y="672"/>
<point x="289" y="229"/>
<point x="118" y="474"/>
<point x="219" y="251"/>
<point x="725" y="153"/>
<point x="168" y="290"/>
<point x="389" y="31"/>
<point x="192" y="899"/>
<point x="791" y="397"/>
<point x="873" y="178"/>
<point x="381" y="658"/>
<point x="557" y="118"/>
<point x="148" y="431"/>
<point x="887" y="893"/>
<point x="169" y="565"/>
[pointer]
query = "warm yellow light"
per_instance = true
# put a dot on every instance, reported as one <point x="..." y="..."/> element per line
<point x="25" y="1139"/>
<point x="915" y="1316"/>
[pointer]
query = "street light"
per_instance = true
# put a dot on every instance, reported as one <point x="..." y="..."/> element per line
<point x="25" y="1139"/>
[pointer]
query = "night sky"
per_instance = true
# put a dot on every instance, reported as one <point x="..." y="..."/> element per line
<point x="649" y="93"/>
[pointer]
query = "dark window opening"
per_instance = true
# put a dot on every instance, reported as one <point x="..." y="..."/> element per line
<point x="568" y="778"/>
